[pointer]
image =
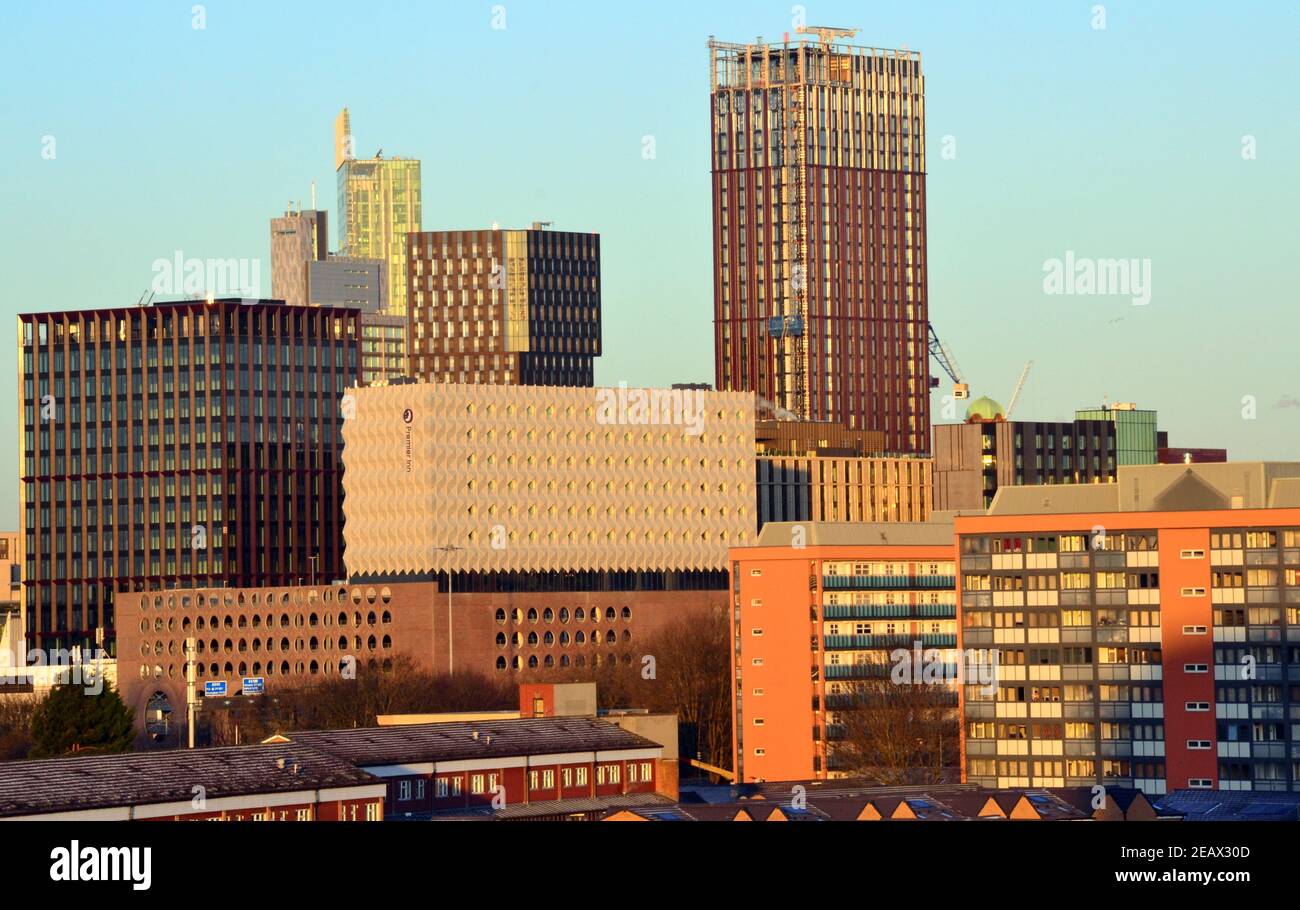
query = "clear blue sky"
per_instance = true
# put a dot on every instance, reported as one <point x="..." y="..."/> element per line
<point x="1122" y="142"/>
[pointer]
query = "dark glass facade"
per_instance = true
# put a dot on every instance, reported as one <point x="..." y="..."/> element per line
<point x="179" y="445"/>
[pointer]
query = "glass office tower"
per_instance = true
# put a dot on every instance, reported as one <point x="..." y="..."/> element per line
<point x="379" y="204"/>
<point x="186" y="444"/>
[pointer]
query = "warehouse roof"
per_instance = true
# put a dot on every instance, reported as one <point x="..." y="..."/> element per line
<point x="1162" y="488"/>
<point x="857" y="534"/>
<point x="470" y="740"/>
<point x="148" y="778"/>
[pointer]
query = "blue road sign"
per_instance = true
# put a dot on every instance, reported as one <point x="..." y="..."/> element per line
<point x="254" y="685"/>
<point x="214" y="689"/>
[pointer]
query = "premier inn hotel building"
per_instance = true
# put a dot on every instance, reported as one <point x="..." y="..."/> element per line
<point x="536" y="488"/>
<point x="566" y="528"/>
<point x="177" y="445"/>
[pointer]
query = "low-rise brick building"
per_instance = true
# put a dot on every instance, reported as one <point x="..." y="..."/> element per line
<point x="273" y="782"/>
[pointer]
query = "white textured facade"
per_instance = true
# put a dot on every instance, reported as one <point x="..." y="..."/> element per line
<point x="540" y="479"/>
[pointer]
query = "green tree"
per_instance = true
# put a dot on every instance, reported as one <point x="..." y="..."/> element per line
<point x="72" y="720"/>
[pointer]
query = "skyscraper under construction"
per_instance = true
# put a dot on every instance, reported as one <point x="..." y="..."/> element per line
<point x="819" y="231"/>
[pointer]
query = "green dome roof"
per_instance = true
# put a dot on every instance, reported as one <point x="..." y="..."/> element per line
<point x="984" y="409"/>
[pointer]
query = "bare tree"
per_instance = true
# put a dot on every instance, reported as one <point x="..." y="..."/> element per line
<point x="897" y="733"/>
<point x="684" y="670"/>
<point x="335" y="702"/>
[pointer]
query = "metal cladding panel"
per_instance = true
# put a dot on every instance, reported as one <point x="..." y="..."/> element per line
<point x="536" y="479"/>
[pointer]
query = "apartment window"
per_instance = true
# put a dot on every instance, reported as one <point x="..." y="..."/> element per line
<point x="582" y="777"/>
<point x="1194" y="630"/>
<point x="1196" y="668"/>
<point x="758" y="661"/>
<point x="1191" y="554"/>
<point x="755" y="572"/>
<point x="1193" y="592"/>
<point x="760" y="752"/>
<point x="372" y="812"/>
<point x="1198" y="745"/>
<point x="304" y="815"/>
<point x="548" y="780"/>
<point x="758" y="691"/>
<point x="404" y="790"/>
<point x="758" y="721"/>
<point x="476" y="784"/>
<point x="440" y="788"/>
<point x="566" y="777"/>
<point x="1199" y="783"/>
<point x="1198" y="706"/>
<point x="757" y="633"/>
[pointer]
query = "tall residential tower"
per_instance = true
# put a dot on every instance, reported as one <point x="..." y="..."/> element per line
<point x="819" y="231"/>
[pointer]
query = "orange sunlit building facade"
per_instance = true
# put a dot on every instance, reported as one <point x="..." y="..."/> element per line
<point x="817" y="610"/>
<point x="1148" y="631"/>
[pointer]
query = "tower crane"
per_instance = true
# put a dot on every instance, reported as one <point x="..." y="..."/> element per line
<point x="943" y="356"/>
<point x="1015" y="396"/>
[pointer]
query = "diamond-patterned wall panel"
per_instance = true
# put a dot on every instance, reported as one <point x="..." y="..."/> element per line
<point x="545" y="479"/>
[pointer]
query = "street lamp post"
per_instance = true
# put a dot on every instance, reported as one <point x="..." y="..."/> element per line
<point x="451" y="654"/>
<point x="191" y="699"/>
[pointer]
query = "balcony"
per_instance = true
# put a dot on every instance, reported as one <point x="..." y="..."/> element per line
<point x="890" y="611"/>
<point x="858" y="642"/>
<point x="889" y="582"/>
<point x="876" y="671"/>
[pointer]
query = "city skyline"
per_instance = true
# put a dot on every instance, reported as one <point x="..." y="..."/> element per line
<point x="1148" y="148"/>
